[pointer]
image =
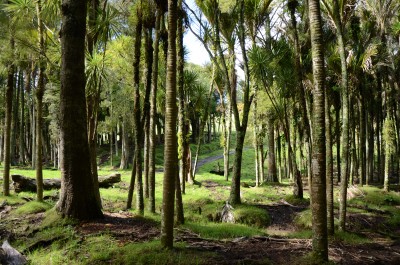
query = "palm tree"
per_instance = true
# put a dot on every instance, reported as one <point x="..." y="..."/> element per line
<point x="170" y="148"/>
<point x="39" y="102"/>
<point x="152" y="129"/>
<point x="318" y="184"/>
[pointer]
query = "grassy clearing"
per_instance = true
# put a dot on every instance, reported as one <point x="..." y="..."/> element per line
<point x="202" y="203"/>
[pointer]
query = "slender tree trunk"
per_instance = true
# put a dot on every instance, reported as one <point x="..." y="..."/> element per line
<point x="183" y="135"/>
<point x="131" y="183"/>
<point x="137" y="113"/>
<point x="7" y="134"/>
<point x="153" y="113"/>
<point x="77" y="198"/>
<point x="203" y="122"/>
<point x="329" y="167"/>
<point x="39" y="109"/>
<point x="148" y="35"/>
<point x="345" y="157"/>
<point x="180" y="218"/>
<point x="27" y="82"/>
<point x="272" y="173"/>
<point x="240" y="128"/>
<point x="318" y="185"/>
<point x="170" y="149"/>
<point x="93" y="100"/>
<point x="256" y="140"/>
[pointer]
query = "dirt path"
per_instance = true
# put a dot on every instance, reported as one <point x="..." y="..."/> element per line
<point x="204" y="161"/>
<point x="211" y="159"/>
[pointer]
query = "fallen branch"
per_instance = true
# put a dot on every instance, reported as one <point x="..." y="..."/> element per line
<point x="22" y="183"/>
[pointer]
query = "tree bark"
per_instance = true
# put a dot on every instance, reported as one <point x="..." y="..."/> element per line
<point x="77" y="198"/>
<point x="7" y="134"/>
<point x="137" y="113"/>
<point x="153" y="113"/>
<point x="318" y="185"/>
<point x="170" y="147"/>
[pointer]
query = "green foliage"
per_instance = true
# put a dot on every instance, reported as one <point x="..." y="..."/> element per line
<point x="32" y="207"/>
<point x="252" y="216"/>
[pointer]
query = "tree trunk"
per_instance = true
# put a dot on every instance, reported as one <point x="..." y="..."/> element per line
<point x="137" y="113"/>
<point x="272" y="173"/>
<point x="77" y="198"/>
<point x="7" y="134"/>
<point x="39" y="103"/>
<point x="170" y="147"/>
<point x="240" y="128"/>
<point x="153" y="113"/>
<point x="146" y="105"/>
<point x="131" y="183"/>
<point x="256" y="140"/>
<point x="22" y="147"/>
<point x="318" y="185"/>
<point x="183" y="127"/>
<point x="93" y="99"/>
<point x="329" y="167"/>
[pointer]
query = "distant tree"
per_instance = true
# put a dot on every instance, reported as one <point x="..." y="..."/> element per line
<point x="77" y="198"/>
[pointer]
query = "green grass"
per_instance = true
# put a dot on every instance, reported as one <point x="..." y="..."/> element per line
<point x="223" y="230"/>
<point x="251" y="216"/>
<point x="303" y="219"/>
<point x="11" y="200"/>
<point x="350" y="238"/>
<point x="201" y="202"/>
<point x="32" y="207"/>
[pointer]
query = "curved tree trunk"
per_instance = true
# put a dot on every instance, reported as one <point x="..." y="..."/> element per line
<point x="170" y="147"/>
<point x="318" y="185"/>
<point x="77" y="198"/>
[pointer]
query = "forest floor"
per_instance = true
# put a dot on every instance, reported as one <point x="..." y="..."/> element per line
<point x="271" y="226"/>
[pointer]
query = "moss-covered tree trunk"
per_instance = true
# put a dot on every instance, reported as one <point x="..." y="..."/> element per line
<point x="318" y="185"/>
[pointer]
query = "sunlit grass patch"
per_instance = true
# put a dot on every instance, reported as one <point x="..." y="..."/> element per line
<point x="350" y="238"/>
<point x="11" y="200"/>
<point x="32" y="207"/>
<point x="303" y="219"/>
<point x="223" y="230"/>
<point x="251" y="215"/>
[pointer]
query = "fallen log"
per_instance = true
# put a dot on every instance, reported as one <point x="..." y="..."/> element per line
<point x="21" y="183"/>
